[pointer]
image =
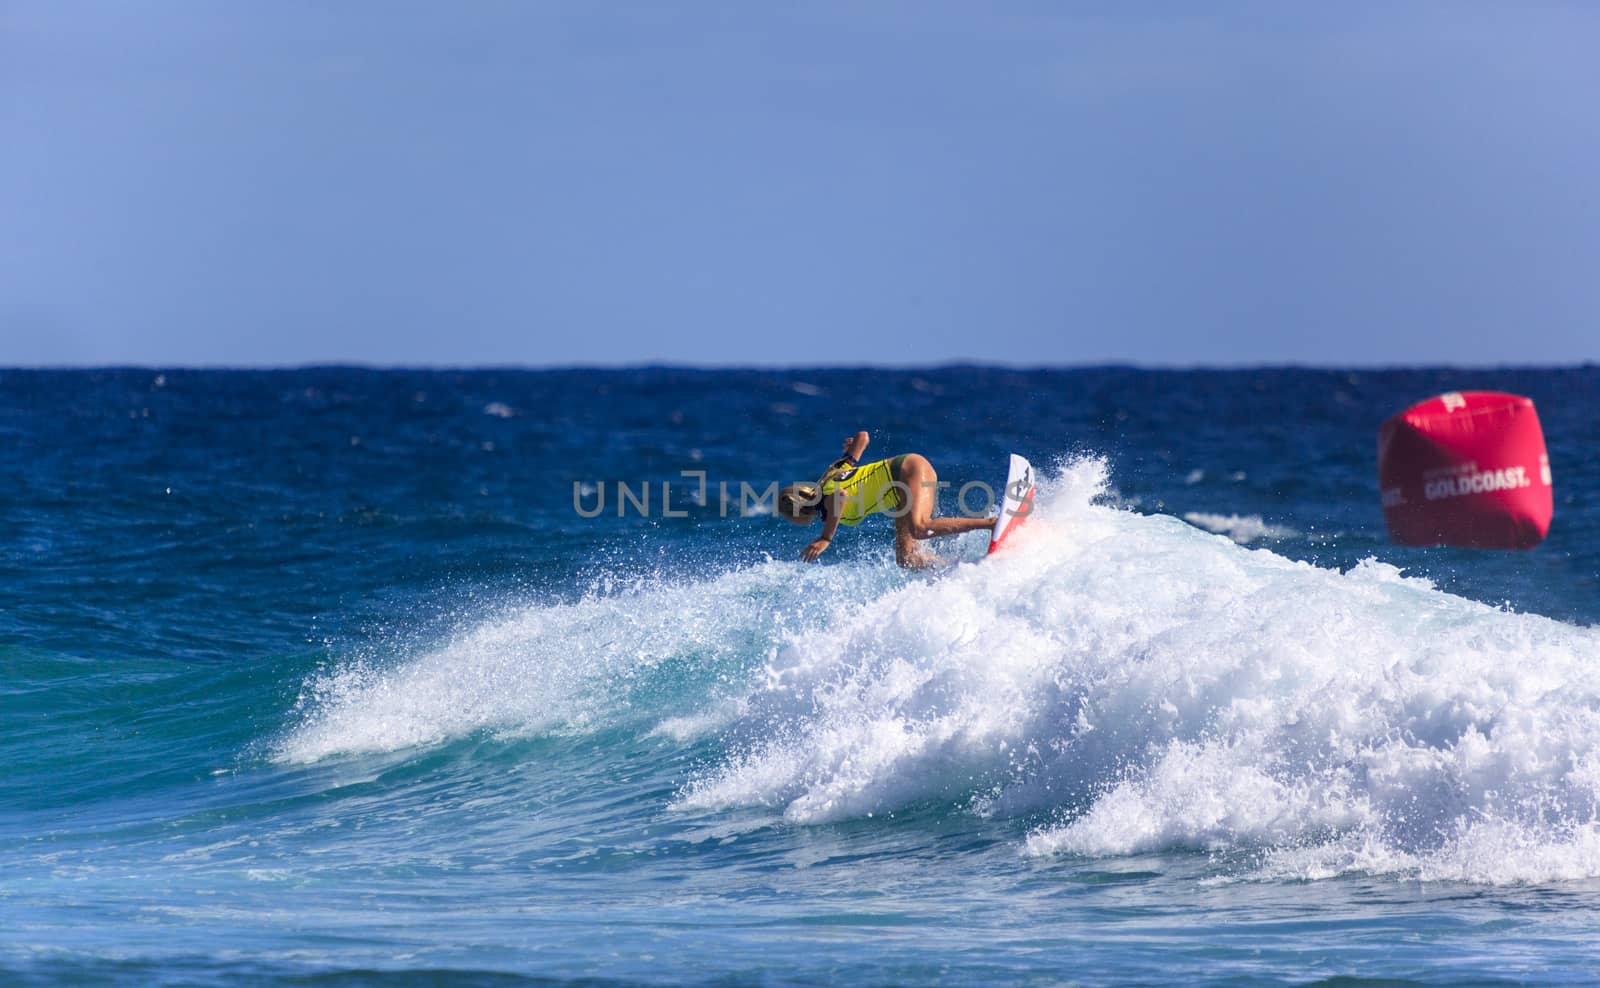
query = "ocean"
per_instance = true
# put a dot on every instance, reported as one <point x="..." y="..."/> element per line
<point x="323" y="676"/>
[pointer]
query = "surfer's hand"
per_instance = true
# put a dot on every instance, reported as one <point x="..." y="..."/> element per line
<point x="814" y="550"/>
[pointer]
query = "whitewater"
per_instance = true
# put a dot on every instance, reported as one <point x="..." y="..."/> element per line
<point x="1117" y="682"/>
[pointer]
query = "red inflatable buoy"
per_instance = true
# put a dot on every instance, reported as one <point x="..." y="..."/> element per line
<point x="1467" y="468"/>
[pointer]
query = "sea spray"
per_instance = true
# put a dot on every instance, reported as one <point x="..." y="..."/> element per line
<point x="650" y="651"/>
<point x="1127" y="681"/>
<point x="1146" y="686"/>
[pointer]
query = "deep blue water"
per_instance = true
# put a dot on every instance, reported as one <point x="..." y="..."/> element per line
<point x="316" y="676"/>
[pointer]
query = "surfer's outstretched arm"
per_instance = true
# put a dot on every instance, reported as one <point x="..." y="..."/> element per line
<point x="854" y="446"/>
<point x="830" y="526"/>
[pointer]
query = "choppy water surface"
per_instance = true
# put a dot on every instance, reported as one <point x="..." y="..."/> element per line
<point x="318" y="674"/>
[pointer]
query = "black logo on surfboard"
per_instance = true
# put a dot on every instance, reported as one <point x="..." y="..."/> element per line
<point x="1021" y="490"/>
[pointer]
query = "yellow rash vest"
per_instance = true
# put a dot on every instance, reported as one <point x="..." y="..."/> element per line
<point x="863" y="490"/>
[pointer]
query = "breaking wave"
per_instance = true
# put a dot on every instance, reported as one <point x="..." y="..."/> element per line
<point x="1115" y="682"/>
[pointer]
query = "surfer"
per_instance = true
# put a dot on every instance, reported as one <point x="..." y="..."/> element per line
<point x="904" y="487"/>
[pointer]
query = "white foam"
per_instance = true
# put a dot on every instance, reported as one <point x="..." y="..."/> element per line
<point x="1133" y="681"/>
<point x="1152" y="687"/>
<point x="1242" y="529"/>
<point x="559" y="667"/>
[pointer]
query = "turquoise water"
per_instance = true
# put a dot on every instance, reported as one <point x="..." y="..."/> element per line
<point x="317" y="677"/>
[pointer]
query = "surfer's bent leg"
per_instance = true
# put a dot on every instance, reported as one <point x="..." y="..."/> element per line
<point x="906" y="551"/>
<point x="922" y="484"/>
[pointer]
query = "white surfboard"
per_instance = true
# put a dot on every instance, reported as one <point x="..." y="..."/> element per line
<point x="1017" y="504"/>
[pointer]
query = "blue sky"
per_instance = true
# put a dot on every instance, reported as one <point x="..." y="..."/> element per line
<point x="733" y="183"/>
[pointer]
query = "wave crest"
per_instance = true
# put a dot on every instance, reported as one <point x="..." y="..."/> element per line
<point x="1151" y="687"/>
<point x="1121" y="683"/>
